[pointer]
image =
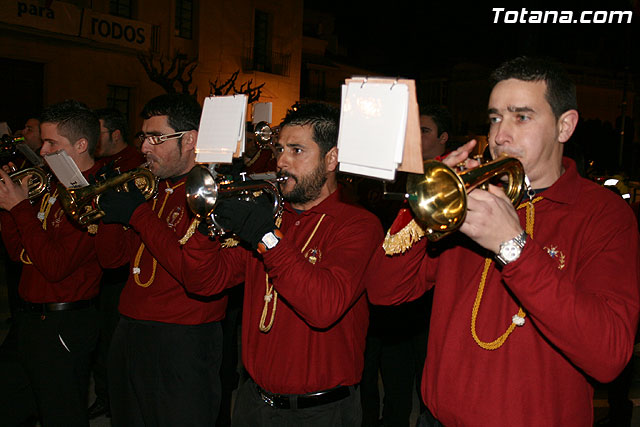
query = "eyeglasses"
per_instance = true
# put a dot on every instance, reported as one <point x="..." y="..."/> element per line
<point x="159" y="139"/>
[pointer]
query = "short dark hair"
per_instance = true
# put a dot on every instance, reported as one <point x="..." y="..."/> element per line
<point x="440" y="116"/>
<point x="75" y="120"/>
<point x="113" y="120"/>
<point x="561" y="91"/>
<point x="182" y="110"/>
<point x="323" y="118"/>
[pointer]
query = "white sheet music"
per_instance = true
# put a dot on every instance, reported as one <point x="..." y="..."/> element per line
<point x="373" y="122"/>
<point x="262" y="112"/>
<point x="66" y="170"/>
<point x="221" y="131"/>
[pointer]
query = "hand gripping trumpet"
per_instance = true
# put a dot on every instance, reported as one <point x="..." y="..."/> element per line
<point x="438" y="198"/>
<point x="38" y="183"/>
<point x="83" y="204"/>
<point x="204" y="190"/>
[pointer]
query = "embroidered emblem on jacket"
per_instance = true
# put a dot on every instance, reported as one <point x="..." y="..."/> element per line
<point x="313" y="255"/>
<point x="557" y="255"/>
<point x="175" y="216"/>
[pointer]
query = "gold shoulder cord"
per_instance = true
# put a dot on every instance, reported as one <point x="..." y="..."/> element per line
<point x="183" y="240"/>
<point x="518" y="319"/>
<point x="46" y="203"/>
<point x="270" y="294"/>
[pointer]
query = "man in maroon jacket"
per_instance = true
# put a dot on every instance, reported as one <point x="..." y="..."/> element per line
<point x="529" y="302"/>
<point x="166" y="350"/>
<point x="305" y="315"/>
<point x="58" y="328"/>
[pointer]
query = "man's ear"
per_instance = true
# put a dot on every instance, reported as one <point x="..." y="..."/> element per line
<point x="331" y="159"/>
<point x="81" y="145"/>
<point x="116" y="135"/>
<point x="443" y="138"/>
<point x="189" y="140"/>
<point x="566" y="125"/>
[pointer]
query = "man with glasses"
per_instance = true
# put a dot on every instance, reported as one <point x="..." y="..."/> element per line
<point x="166" y="350"/>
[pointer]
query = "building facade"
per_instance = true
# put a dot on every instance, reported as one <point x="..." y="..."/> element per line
<point x="91" y="50"/>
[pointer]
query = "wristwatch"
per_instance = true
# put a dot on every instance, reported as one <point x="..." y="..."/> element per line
<point x="511" y="249"/>
<point x="269" y="241"/>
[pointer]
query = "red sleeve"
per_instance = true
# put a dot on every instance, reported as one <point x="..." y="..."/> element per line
<point x="321" y="293"/>
<point x="56" y="253"/>
<point x="590" y="316"/>
<point x="208" y="269"/>
<point x="10" y="236"/>
<point x="393" y="280"/>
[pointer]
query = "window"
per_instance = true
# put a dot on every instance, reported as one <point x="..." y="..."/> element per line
<point x="184" y="19"/>
<point x="121" y="8"/>
<point x="119" y="97"/>
<point x="261" y="42"/>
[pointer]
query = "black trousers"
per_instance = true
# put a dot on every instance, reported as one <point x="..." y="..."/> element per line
<point x="163" y="374"/>
<point x="113" y="281"/>
<point x="47" y="370"/>
<point x="251" y="411"/>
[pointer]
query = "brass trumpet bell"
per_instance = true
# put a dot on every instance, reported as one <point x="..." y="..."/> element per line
<point x="204" y="190"/>
<point x="266" y="136"/>
<point x="38" y="183"/>
<point x="438" y="198"/>
<point x="83" y="204"/>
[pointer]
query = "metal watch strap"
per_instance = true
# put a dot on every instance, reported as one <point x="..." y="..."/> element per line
<point x="517" y="242"/>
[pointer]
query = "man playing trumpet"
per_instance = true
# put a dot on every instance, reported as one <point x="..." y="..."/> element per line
<point x="57" y="329"/>
<point x="166" y="350"/>
<point x="529" y="302"/>
<point x="305" y="315"/>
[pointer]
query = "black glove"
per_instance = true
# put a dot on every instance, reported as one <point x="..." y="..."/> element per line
<point x="118" y="206"/>
<point x="249" y="220"/>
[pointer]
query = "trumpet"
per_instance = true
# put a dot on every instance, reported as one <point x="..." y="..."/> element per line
<point x="38" y="183"/>
<point x="266" y="136"/>
<point x="83" y="204"/>
<point x="438" y="198"/>
<point x="204" y="190"/>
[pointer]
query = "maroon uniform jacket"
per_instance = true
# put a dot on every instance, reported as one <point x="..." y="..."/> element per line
<point x="154" y="290"/>
<point x="317" y="338"/>
<point x="59" y="257"/>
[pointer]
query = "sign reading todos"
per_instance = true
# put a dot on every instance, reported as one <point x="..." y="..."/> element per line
<point x="116" y="30"/>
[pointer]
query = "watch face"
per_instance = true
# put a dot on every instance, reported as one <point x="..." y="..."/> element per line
<point x="510" y="252"/>
<point x="270" y="240"/>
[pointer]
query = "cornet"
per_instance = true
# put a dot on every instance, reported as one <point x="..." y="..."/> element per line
<point x="438" y="198"/>
<point x="266" y="136"/>
<point x="83" y="204"/>
<point x="38" y="183"/>
<point x="204" y="190"/>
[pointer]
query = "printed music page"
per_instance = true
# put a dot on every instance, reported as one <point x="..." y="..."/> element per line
<point x="373" y="121"/>
<point x="221" y="134"/>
